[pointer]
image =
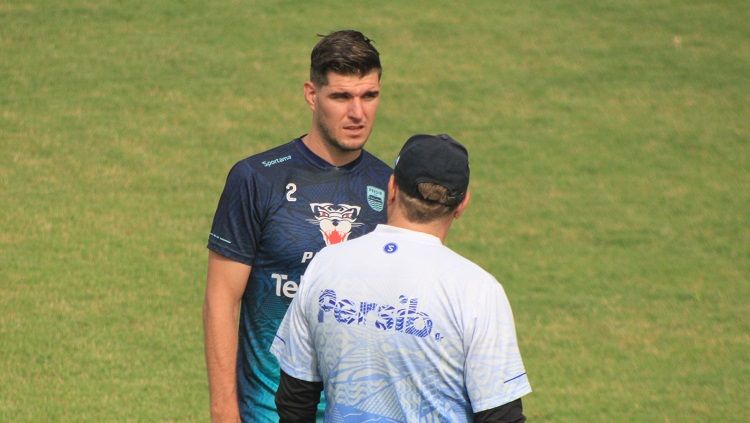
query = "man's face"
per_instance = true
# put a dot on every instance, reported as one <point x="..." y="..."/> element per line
<point x="344" y="110"/>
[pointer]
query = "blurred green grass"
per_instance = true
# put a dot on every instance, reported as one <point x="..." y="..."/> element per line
<point x="610" y="157"/>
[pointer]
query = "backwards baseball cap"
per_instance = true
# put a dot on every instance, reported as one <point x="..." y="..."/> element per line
<point x="437" y="159"/>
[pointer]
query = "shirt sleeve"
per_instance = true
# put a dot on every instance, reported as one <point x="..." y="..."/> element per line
<point x="495" y="373"/>
<point x="297" y="400"/>
<point x="293" y="344"/>
<point x="236" y="227"/>
<point x="511" y="412"/>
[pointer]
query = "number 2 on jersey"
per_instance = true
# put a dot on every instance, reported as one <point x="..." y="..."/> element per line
<point x="291" y="188"/>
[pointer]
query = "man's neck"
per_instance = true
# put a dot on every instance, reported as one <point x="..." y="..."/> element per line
<point x="438" y="228"/>
<point x="329" y="153"/>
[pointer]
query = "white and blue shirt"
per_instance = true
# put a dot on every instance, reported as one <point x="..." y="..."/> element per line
<point x="401" y="328"/>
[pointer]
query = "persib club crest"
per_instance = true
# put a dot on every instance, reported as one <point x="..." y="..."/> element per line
<point x="375" y="198"/>
<point x="335" y="221"/>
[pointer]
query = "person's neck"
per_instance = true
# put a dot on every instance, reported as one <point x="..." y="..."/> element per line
<point x="329" y="153"/>
<point x="438" y="228"/>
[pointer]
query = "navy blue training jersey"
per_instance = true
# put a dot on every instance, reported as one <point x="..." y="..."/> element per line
<point x="278" y="209"/>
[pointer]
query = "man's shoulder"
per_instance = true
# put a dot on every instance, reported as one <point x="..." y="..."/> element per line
<point x="269" y="158"/>
<point x="271" y="163"/>
<point x="372" y="161"/>
<point x="346" y="249"/>
<point x="457" y="264"/>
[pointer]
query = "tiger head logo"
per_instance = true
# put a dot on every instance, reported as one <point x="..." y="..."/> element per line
<point x="335" y="221"/>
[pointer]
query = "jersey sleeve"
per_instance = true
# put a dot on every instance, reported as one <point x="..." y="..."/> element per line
<point x="293" y="344"/>
<point x="237" y="222"/>
<point x="494" y="372"/>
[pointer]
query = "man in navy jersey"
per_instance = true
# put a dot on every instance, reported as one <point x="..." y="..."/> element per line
<point x="277" y="210"/>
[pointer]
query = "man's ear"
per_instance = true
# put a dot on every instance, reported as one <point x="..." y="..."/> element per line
<point x="392" y="189"/>
<point x="310" y="94"/>
<point x="462" y="207"/>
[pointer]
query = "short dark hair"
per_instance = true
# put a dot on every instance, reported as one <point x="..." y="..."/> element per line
<point x="431" y="208"/>
<point x="346" y="52"/>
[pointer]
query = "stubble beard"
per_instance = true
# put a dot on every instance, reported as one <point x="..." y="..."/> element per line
<point x="336" y="143"/>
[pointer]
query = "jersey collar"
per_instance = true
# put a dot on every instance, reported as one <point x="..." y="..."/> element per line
<point x="388" y="230"/>
<point x="319" y="162"/>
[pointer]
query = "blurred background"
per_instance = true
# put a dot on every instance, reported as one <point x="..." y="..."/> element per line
<point x="609" y="144"/>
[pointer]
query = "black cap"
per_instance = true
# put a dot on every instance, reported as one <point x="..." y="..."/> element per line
<point x="437" y="159"/>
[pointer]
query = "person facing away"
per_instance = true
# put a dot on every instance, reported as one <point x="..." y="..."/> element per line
<point x="280" y="207"/>
<point x="395" y="326"/>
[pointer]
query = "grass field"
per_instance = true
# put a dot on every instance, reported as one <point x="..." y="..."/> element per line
<point x="610" y="148"/>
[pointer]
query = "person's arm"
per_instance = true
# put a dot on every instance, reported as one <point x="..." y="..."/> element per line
<point x="225" y="285"/>
<point x="495" y="377"/>
<point x="511" y="412"/>
<point x="297" y="400"/>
